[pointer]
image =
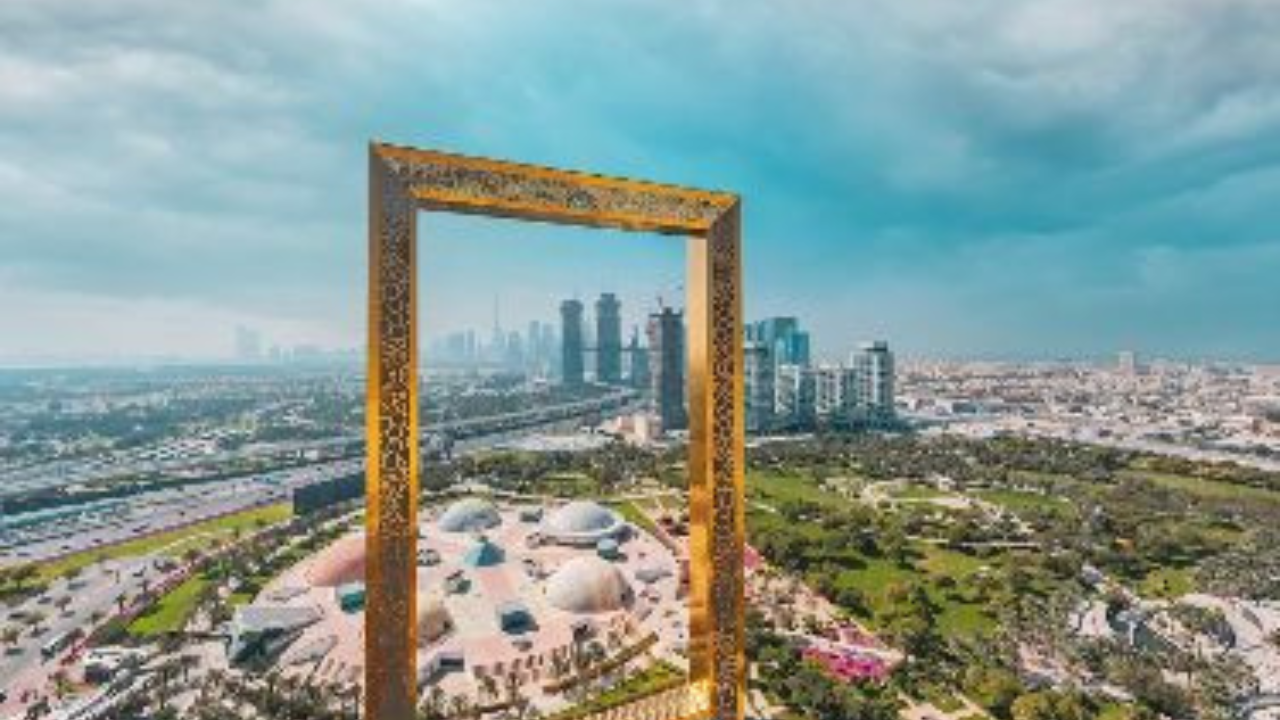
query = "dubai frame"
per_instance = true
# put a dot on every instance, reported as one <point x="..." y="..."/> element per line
<point x="403" y="181"/>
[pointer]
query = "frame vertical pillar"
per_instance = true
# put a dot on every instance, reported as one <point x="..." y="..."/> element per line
<point x="716" y="449"/>
<point x="392" y="445"/>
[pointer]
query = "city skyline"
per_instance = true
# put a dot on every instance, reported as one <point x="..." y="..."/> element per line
<point x="1037" y="180"/>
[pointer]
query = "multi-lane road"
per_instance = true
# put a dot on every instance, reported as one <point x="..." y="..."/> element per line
<point x="36" y="537"/>
<point x="94" y="593"/>
<point x="43" y="535"/>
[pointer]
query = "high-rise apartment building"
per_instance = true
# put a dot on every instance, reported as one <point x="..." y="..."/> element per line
<point x="758" y="369"/>
<point x="874" y="385"/>
<point x="571" y="346"/>
<point x="608" y="339"/>
<point x="666" y="367"/>
<point x="830" y="389"/>
<point x="795" y="400"/>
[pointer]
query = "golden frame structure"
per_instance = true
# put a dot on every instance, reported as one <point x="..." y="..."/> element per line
<point x="403" y="181"/>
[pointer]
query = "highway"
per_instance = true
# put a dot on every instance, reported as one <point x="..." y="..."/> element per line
<point x="35" y="538"/>
<point x="16" y="481"/>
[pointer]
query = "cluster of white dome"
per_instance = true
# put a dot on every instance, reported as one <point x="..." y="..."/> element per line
<point x="583" y="585"/>
<point x="469" y="515"/>
<point x="582" y="522"/>
<point x="434" y="621"/>
<point x="587" y="585"/>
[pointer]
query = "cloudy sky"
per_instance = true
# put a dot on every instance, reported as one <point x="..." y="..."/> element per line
<point x="981" y="178"/>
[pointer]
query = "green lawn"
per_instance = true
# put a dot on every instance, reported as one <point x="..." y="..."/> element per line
<point x="939" y="562"/>
<point x="1209" y="489"/>
<point x="568" y="485"/>
<point x="198" y="535"/>
<point x="1168" y="583"/>
<point x="912" y="491"/>
<point x="636" y="516"/>
<point x="957" y="616"/>
<point x="1016" y="500"/>
<point x="654" y="679"/>
<point x="772" y="487"/>
<point x="172" y="611"/>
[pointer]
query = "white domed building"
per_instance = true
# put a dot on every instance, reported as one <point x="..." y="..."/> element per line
<point x="588" y="585"/>
<point x="434" y="621"/>
<point x="469" y="515"/>
<point x="582" y="523"/>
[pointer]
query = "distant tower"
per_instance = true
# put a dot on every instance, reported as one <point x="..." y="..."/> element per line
<point x="608" y="339"/>
<point x="571" y="343"/>
<point x="638" y="373"/>
<point x="498" y="343"/>
<point x="782" y="337"/>
<point x="248" y="345"/>
<point x="758" y="368"/>
<point x="1128" y="362"/>
<point x="666" y="367"/>
<point x="873" y="375"/>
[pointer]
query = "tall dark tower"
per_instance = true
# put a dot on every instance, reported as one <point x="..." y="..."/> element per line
<point x="666" y="367"/>
<point x="608" y="339"/>
<point x="639" y="374"/>
<point x="571" y="343"/>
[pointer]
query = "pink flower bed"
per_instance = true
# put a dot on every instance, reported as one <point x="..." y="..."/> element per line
<point x="848" y="667"/>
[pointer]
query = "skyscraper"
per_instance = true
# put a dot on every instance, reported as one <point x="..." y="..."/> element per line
<point x="534" y="354"/>
<point x="608" y="339"/>
<point x="638" y="368"/>
<point x="782" y="336"/>
<point x="666" y="367"/>
<point x="758" y="369"/>
<point x="873" y="374"/>
<point x="571" y="370"/>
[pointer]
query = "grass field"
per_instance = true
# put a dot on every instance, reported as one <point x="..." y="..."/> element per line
<point x="173" y="542"/>
<point x="1168" y="583"/>
<point x="913" y="491"/>
<point x="567" y="485"/>
<point x="1209" y="489"/>
<point x="172" y="611"/>
<point x="1021" y="500"/>
<point x="956" y="617"/>
<point x="873" y="576"/>
<point x="636" y="516"/>
<point x="656" y="678"/>
<point x="772" y="487"/>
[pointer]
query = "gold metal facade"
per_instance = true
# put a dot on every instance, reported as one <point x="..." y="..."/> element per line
<point x="405" y="180"/>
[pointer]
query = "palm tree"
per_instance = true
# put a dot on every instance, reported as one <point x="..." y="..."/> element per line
<point x="461" y="706"/>
<point x="512" y="683"/>
<point x="433" y="704"/>
<point x="9" y="636"/>
<point x="488" y="687"/>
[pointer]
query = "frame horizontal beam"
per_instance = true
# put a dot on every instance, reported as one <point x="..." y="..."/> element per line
<point x="479" y="186"/>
